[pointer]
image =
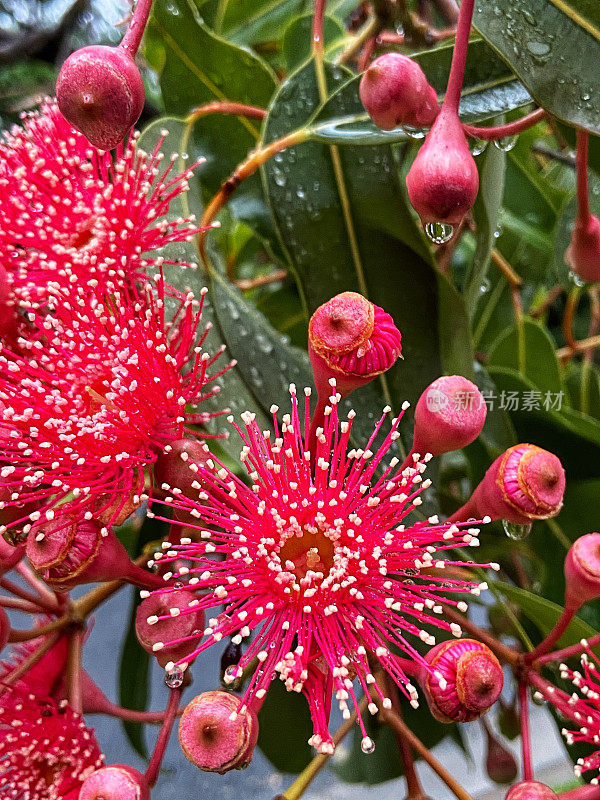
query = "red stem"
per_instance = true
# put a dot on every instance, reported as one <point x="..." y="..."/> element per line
<point x="32" y="579"/>
<point x="459" y="56"/>
<point x="36" y="599"/>
<point x="568" y="652"/>
<point x="317" y="27"/>
<point x="135" y="31"/>
<point x="163" y="737"/>
<point x="240" y="109"/>
<point x="583" y="202"/>
<point x="557" y="631"/>
<point x="510" y="129"/>
<point x="21" y="605"/>
<point x="74" y="671"/>
<point x="467" y="511"/>
<point x="525" y="734"/>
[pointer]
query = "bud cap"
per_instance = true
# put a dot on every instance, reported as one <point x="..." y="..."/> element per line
<point x="117" y="782"/>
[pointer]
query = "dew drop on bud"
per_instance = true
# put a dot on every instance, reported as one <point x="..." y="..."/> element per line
<point x="574" y="277"/>
<point x="367" y="745"/>
<point x="506" y="143"/>
<point x="174" y="677"/>
<point x="414" y="133"/>
<point x="439" y="232"/>
<point x="477" y="146"/>
<point x="515" y="531"/>
<point x="485" y="285"/>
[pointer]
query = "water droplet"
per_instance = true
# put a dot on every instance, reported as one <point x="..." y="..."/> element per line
<point x="414" y="133"/>
<point x="574" y="278"/>
<point x="367" y="745"/>
<point x="485" y="285"/>
<point x="174" y="677"/>
<point x="506" y="143"/>
<point x="477" y="146"/>
<point x="515" y="531"/>
<point x="439" y="232"/>
<point x="538" y="48"/>
<point x="528" y="16"/>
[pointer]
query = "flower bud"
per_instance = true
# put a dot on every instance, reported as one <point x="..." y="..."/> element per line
<point x="117" y="782"/>
<point x="463" y="681"/>
<point x="523" y="484"/>
<point x="352" y="340"/>
<point x="530" y="790"/>
<point x="173" y="638"/>
<point x="216" y="734"/>
<point x="449" y="415"/>
<point x="101" y="93"/>
<point x="583" y="252"/>
<point x="395" y="91"/>
<point x="67" y="552"/>
<point x="582" y="570"/>
<point x="443" y="181"/>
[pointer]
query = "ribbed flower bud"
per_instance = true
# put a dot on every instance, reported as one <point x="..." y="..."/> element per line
<point x="395" y="91"/>
<point x="582" y="570"/>
<point x="216" y="734"/>
<point x="101" y="93"/>
<point x="449" y="415"/>
<point x="530" y="790"/>
<point x="117" y="782"/>
<point x="583" y="252"/>
<point x="443" y="181"/>
<point x="352" y="340"/>
<point x="523" y="484"/>
<point x="464" y="680"/>
<point x="169" y="617"/>
<point x="67" y="552"/>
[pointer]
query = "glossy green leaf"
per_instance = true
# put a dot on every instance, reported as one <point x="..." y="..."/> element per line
<point x="297" y="39"/>
<point x="573" y="436"/>
<point x="197" y="67"/>
<point x="285" y="727"/>
<point x="370" y="245"/>
<point x="553" y="46"/>
<point x="540" y="364"/>
<point x="544" y="614"/>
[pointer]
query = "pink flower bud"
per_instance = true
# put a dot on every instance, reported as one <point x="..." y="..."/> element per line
<point x="67" y="552"/>
<point x="352" y="340"/>
<point x="443" y="181"/>
<point x="169" y="617"/>
<point x="117" y="782"/>
<point x="395" y="91"/>
<point x="101" y="93"/>
<point x="583" y="252"/>
<point x="216" y="734"/>
<point x="530" y="790"/>
<point x="523" y="484"/>
<point x="463" y="681"/>
<point x="582" y="570"/>
<point x="449" y="415"/>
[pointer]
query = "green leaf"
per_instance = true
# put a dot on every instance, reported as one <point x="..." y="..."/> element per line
<point x="371" y="245"/>
<point x="285" y="728"/>
<point x="297" y="38"/>
<point x="486" y="213"/>
<point x="540" y="364"/>
<point x="544" y="614"/>
<point x="134" y="686"/>
<point x="553" y="46"/>
<point x="574" y="437"/>
<point x="197" y="67"/>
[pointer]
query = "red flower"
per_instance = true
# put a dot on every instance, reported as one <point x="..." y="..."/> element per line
<point x="46" y="751"/>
